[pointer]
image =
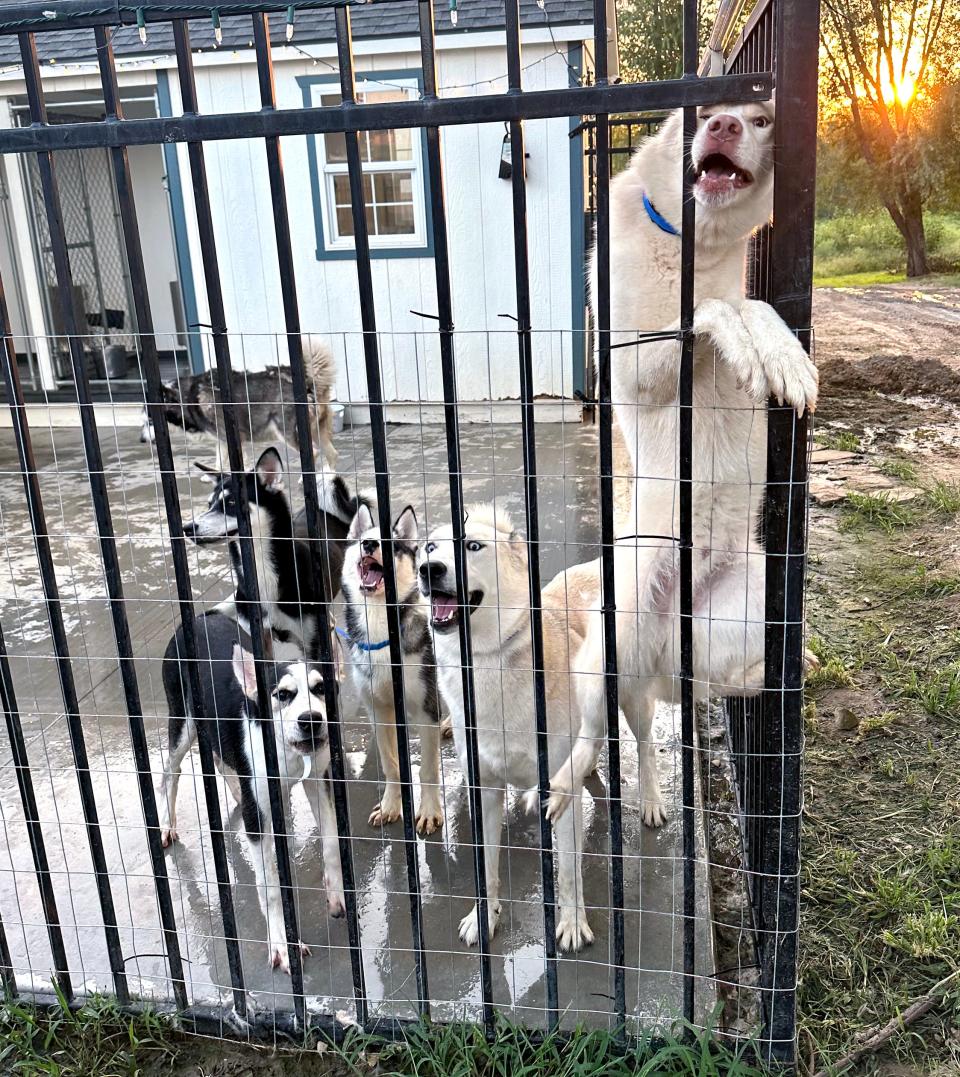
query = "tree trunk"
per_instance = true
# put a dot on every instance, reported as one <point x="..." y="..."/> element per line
<point x="918" y="264"/>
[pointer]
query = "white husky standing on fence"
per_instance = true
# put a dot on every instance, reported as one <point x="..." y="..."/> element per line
<point x="744" y="353"/>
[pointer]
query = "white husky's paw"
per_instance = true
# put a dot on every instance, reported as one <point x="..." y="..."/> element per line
<point x="387" y="811"/>
<point x="720" y="323"/>
<point x="791" y="375"/>
<point x="652" y="811"/>
<point x="280" y="956"/>
<point x="168" y="836"/>
<point x="470" y="924"/>
<point x="430" y="812"/>
<point x="573" y="931"/>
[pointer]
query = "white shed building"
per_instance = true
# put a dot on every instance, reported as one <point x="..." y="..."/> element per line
<point x="557" y="48"/>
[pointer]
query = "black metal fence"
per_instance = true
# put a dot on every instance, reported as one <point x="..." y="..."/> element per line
<point x="780" y="45"/>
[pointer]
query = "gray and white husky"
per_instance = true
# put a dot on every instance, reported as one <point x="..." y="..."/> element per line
<point x="366" y="644"/>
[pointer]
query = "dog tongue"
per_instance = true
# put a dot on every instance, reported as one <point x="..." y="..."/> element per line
<point x="444" y="607"/>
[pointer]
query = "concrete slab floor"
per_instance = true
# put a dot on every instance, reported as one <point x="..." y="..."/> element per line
<point x="569" y="501"/>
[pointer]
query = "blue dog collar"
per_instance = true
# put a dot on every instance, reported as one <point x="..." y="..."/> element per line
<point x="362" y="646"/>
<point x="658" y="219"/>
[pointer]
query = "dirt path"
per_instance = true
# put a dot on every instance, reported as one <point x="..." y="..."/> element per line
<point x="881" y="848"/>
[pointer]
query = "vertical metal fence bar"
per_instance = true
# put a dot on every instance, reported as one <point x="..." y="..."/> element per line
<point x="130" y="230"/>
<point x="687" y="269"/>
<point x="318" y="548"/>
<point x="41" y="534"/>
<point x="531" y="503"/>
<point x="457" y="512"/>
<point x="791" y="272"/>
<point x="381" y="468"/>
<point x="107" y="541"/>
<point x="7" y="975"/>
<point x="261" y="645"/>
<point x="607" y="530"/>
<point x="28" y="800"/>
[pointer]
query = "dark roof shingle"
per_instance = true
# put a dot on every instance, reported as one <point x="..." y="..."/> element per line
<point x="395" y="19"/>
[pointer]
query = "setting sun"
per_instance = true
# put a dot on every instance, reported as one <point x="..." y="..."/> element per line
<point x="900" y="91"/>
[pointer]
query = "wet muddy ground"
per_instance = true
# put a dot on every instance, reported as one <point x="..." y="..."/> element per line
<point x="568" y="492"/>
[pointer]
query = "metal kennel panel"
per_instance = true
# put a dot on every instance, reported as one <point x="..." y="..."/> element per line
<point x="770" y="788"/>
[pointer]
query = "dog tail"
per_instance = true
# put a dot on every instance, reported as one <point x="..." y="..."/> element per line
<point x="319" y="366"/>
<point x="337" y="500"/>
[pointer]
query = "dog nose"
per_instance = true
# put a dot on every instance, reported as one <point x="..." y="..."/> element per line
<point x="430" y="571"/>
<point x="369" y="546"/>
<point x="189" y="529"/>
<point x="725" y="128"/>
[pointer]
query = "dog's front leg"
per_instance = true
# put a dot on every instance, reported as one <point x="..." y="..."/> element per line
<point x="430" y="812"/>
<point x="263" y="854"/>
<point x="492" y="800"/>
<point x="792" y="377"/>
<point x="573" y="931"/>
<point x="320" y="795"/>
<point x="766" y="358"/>
<point x="389" y="808"/>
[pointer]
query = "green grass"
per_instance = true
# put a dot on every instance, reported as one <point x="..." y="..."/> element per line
<point x="881" y="511"/>
<point x="860" y="250"/>
<point x="896" y="468"/>
<point x="842" y="440"/>
<point x="880" y="919"/>
<point x="98" y="1040"/>
<point x="943" y="498"/>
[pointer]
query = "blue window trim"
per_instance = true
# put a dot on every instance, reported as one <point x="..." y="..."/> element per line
<point x="181" y="241"/>
<point x="306" y="84"/>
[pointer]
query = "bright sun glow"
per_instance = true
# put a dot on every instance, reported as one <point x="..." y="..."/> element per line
<point x="901" y="91"/>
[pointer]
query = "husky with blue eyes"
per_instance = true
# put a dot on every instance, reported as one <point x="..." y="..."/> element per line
<point x="498" y="606"/>
<point x="234" y="732"/>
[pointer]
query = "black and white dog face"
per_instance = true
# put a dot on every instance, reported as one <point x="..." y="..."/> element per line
<point x="265" y="495"/>
<point x="363" y="560"/>
<point x="296" y="699"/>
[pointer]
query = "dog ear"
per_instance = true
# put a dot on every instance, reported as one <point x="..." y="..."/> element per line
<point x="405" y="527"/>
<point x="208" y="474"/>
<point x="245" y="671"/>
<point x="169" y="393"/>
<point x="363" y="521"/>
<point x="270" y="469"/>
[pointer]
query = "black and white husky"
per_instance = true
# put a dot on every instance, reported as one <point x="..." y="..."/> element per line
<point x="366" y="645"/>
<point x="291" y="604"/>
<point x="233" y="729"/>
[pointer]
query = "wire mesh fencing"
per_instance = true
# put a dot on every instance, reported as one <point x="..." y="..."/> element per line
<point x="426" y="716"/>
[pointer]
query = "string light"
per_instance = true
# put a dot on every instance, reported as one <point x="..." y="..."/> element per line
<point x="142" y="26"/>
<point x="453" y="12"/>
<point x="217" y="31"/>
<point x="291" y="12"/>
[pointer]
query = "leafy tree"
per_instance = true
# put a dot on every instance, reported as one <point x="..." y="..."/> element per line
<point x="650" y="33"/>
<point x="886" y="65"/>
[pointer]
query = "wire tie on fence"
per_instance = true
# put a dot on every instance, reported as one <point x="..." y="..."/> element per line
<point x="512" y="317"/>
<point x="422" y="314"/>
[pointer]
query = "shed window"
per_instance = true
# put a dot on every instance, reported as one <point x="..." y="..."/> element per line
<point x="393" y="190"/>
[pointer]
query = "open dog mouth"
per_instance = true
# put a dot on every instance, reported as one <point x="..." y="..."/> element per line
<point x="717" y="174"/>
<point x="371" y="574"/>
<point x="444" y="610"/>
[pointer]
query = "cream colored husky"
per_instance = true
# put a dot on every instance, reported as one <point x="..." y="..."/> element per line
<point x="744" y="354"/>
<point x="499" y="612"/>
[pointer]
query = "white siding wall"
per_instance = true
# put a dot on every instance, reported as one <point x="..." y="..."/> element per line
<point x="480" y="230"/>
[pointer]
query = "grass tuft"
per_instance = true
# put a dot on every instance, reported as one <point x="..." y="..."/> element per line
<point x="895" y="468"/>
<point x="876" y="510"/>
<point x="841" y="440"/>
<point x="943" y="497"/>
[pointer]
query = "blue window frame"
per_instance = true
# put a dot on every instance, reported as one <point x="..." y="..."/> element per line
<point x="396" y="183"/>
